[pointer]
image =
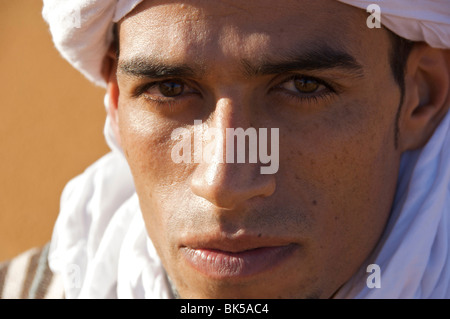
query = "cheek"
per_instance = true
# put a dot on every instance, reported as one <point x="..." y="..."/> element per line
<point x="147" y="146"/>
<point x="344" y="168"/>
<point x="146" y="142"/>
<point x="340" y="150"/>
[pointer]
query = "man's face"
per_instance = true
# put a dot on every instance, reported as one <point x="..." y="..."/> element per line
<point x="312" y="69"/>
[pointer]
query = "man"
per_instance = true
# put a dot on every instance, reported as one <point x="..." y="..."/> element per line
<point x="357" y="205"/>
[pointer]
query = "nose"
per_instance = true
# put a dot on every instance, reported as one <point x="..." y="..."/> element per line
<point x="228" y="185"/>
<point x="224" y="182"/>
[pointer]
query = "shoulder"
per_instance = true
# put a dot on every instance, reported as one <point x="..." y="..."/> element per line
<point x="28" y="276"/>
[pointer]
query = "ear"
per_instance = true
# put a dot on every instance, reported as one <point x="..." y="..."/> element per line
<point x="427" y="95"/>
<point x="109" y="69"/>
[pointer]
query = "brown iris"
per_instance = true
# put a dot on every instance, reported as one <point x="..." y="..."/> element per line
<point x="306" y="85"/>
<point x="171" y="88"/>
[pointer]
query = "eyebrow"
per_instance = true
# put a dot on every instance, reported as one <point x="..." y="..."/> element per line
<point x="324" y="58"/>
<point x="145" y="67"/>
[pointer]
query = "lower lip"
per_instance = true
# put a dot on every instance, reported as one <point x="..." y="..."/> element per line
<point x="223" y="264"/>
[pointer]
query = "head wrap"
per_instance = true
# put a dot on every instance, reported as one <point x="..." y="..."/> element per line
<point x="99" y="243"/>
<point x="82" y="29"/>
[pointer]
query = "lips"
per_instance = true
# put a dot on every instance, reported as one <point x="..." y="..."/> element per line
<point x="229" y="260"/>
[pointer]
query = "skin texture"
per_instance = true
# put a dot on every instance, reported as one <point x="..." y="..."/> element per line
<point x="338" y="162"/>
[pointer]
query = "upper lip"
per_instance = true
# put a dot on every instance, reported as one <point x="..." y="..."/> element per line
<point x="233" y="243"/>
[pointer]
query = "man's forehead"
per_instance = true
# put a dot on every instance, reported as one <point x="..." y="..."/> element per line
<point x="252" y="31"/>
<point x="200" y="18"/>
<point x="252" y="10"/>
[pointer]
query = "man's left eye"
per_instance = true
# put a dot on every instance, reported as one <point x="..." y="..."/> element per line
<point x="303" y="85"/>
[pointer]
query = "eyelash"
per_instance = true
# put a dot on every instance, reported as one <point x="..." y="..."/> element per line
<point x="163" y="101"/>
<point x="313" y="98"/>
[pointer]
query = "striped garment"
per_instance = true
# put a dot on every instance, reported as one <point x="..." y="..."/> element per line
<point x="28" y="276"/>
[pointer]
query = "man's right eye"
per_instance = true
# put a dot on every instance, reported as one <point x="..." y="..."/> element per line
<point x="167" y="91"/>
<point x="171" y="88"/>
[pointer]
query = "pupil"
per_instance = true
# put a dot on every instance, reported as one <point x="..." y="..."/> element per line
<point x="306" y="85"/>
<point x="171" y="89"/>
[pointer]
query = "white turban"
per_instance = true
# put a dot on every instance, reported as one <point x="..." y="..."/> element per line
<point x="82" y="29"/>
<point x="99" y="243"/>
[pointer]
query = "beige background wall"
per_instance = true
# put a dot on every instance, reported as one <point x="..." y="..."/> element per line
<point x="51" y="127"/>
